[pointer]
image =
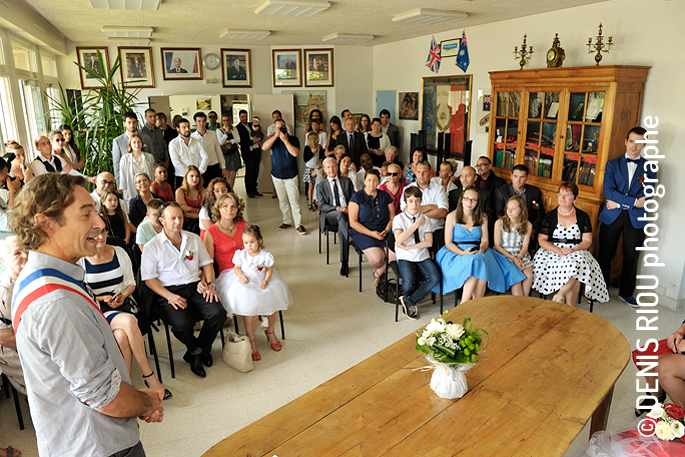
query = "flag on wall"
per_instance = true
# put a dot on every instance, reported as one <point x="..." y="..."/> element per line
<point x="463" y="56"/>
<point x="433" y="61"/>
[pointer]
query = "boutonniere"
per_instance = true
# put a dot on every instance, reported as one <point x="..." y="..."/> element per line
<point x="535" y="205"/>
<point x="641" y="179"/>
<point x="188" y="256"/>
<point x="260" y="268"/>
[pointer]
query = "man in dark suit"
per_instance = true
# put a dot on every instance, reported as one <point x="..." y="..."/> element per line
<point x="250" y="157"/>
<point x="468" y="177"/>
<point x="353" y="141"/>
<point x="237" y="72"/>
<point x="518" y="186"/>
<point x="486" y="178"/>
<point x="624" y="189"/>
<point x="333" y="195"/>
<point x="177" y="67"/>
<point x="390" y="129"/>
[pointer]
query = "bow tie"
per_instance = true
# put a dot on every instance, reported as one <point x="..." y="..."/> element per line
<point x="635" y="161"/>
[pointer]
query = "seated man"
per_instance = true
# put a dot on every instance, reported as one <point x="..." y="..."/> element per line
<point x="149" y="228"/>
<point x="518" y="186"/>
<point x="333" y="194"/>
<point x="177" y="267"/>
<point x="105" y="180"/>
<point x="13" y="258"/>
<point x="366" y="165"/>
<point x="433" y="202"/>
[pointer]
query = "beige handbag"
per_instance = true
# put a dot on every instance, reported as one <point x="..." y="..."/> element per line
<point x="237" y="352"/>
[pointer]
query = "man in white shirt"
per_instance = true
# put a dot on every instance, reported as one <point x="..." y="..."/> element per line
<point x="433" y="202"/>
<point x="216" y="165"/>
<point x="177" y="267"/>
<point x="185" y="150"/>
<point x="45" y="162"/>
<point x="271" y="130"/>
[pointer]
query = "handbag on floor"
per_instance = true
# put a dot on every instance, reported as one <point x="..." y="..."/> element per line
<point x="391" y="296"/>
<point x="237" y="352"/>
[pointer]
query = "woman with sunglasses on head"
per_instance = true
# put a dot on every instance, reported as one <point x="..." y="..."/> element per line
<point x="394" y="186"/>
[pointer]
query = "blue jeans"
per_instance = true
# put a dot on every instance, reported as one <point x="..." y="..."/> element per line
<point x="431" y="278"/>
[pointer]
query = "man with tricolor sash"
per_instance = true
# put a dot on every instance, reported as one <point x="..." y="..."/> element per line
<point x="79" y="390"/>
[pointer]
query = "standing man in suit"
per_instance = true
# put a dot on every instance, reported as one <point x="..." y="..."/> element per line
<point x="487" y="180"/>
<point x="354" y="142"/>
<point x="250" y="157"/>
<point x="625" y="193"/>
<point x="157" y="146"/>
<point x="333" y="194"/>
<point x="389" y="129"/>
<point x="518" y="186"/>
<point x="120" y="144"/>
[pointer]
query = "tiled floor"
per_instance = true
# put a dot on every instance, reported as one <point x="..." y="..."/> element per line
<point x="330" y="328"/>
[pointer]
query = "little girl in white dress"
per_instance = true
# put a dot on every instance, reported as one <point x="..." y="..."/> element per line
<point x="259" y="290"/>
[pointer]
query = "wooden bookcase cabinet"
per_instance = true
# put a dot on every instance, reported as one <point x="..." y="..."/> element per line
<point x="564" y="124"/>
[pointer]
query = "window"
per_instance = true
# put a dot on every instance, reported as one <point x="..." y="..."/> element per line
<point x="32" y="103"/>
<point x="53" y="96"/>
<point x="49" y="67"/>
<point x="24" y="58"/>
<point x="8" y="128"/>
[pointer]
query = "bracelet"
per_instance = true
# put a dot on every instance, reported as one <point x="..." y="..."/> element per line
<point x="169" y="299"/>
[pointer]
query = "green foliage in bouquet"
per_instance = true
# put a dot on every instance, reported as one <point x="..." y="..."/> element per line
<point x="449" y="343"/>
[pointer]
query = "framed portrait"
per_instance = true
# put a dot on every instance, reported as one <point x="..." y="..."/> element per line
<point x="136" y="66"/>
<point x="483" y="111"/>
<point x="319" y="71"/>
<point x="236" y="67"/>
<point x="446" y="107"/>
<point x="181" y="63"/>
<point x="409" y="106"/>
<point x="287" y="65"/>
<point x="90" y="59"/>
<point x="450" y="48"/>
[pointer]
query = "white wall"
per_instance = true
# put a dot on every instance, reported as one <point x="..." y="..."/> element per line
<point x="644" y="33"/>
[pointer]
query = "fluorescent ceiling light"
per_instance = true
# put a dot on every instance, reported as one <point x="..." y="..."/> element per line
<point x="429" y="16"/>
<point x="244" y="34"/>
<point x="130" y="32"/>
<point x="126" y="4"/>
<point x="123" y="41"/>
<point x="346" y="38"/>
<point x="291" y="7"/>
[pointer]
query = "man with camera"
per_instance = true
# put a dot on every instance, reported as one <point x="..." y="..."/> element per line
<point x="284" y="151"/>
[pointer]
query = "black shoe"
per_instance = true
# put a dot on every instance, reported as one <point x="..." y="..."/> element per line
<point x="251" y="195"/>
<point x="344" y="269"/>
<point x="206" y="359"/>
<point x="257" y="194"/>
<point x="195" y="364"/>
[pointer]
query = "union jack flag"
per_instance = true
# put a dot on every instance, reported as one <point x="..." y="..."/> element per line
<point x="433" y="61"/>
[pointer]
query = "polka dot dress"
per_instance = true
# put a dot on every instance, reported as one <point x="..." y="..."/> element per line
<point x="553" y="271"/>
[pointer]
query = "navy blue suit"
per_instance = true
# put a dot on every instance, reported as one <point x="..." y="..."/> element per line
<point x="622" y="220"/>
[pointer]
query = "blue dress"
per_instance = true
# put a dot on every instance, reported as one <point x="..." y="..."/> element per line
<point x="491" y="266"/>
<point x="374" y="215"/>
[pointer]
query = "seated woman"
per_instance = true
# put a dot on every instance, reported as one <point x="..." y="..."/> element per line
<point x="160" y="187"/>
<point x="563" y="261"/>
<point x="70" y="146"/>
<point x="223" y="238"/>
<point x="18" y="167"/>
<point x="446" y="175"/>
<point x="216" y="188"/>
<point x="189" y="198"/>
<point x="394" y="186"/>
<point x="346" y="169"/>
<point x="417" y="156"/>
<point x="137" y="206"/>
<point x="466" y="260"/>
<point x="370" y="213"/>
<point x="13" y="258"/>
<point x="109" y="275"/>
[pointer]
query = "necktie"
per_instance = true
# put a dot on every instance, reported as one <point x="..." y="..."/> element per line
<point x="336" y="195"/>
<point x="417" y="240"/>
<point x="349" y="140"/>
<point x="635" y="161"/>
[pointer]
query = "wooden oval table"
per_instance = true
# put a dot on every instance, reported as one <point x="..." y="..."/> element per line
<point x="548" y="369"/>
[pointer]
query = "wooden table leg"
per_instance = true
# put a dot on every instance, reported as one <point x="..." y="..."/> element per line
<point x="601" y="415"/>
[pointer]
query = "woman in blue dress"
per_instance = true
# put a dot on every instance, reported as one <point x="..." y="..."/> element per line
<point x="370" y="213"/>
<point x="466" y="260"/>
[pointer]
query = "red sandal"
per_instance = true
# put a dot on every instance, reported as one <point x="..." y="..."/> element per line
<point x="277" y="346"/>
<point x="255" y="355"/>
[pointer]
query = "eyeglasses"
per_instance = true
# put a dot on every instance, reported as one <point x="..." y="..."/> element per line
<point x="393" y="174"/>
<point x="480" y="165"/>
<point x="212" y="117"/>
<point x="469" y="199"/>
<point x="106" y="182"/>
<point x="565" y="195"/>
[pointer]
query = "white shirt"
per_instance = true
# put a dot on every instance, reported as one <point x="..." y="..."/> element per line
<point x="38" y="167"/>
<point x="632" y="167"/>
<point x="402" y="222"/>
<point x="210" y="141"/>
<point x="182" y="155"/>
<point x="450" y="185"/>
<point x="343" y="201"/>
<point x="271" y="130"/>
<point x="434" y="194"/>
<point x="170" y="266"/>
<point x="323" y="137"/>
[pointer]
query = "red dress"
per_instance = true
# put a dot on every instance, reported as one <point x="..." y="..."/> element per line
<point x="166" y="195"/>
<point x="225" y="246"/>
<point x="396" y="198"/>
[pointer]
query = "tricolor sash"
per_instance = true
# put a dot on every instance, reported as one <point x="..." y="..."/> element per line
<point x="42" y="282"/>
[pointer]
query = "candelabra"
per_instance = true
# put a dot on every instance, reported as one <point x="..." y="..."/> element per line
<point x="524" y="54"/>
<point x="598" y="47"/>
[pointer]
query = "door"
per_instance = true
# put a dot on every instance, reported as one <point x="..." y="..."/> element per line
<point x="160" y="103"/>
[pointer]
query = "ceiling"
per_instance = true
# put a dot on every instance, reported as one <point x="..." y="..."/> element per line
<point x="199" y="22"/>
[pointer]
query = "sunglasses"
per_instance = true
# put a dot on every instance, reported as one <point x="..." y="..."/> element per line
<point x="393" y="174"/>
<point x="59" y="140"/>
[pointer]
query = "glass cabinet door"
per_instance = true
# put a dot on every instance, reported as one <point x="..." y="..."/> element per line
<point x="541" y="133"/>
<point x="506" y="129"/>
<point x="584" y="124"/>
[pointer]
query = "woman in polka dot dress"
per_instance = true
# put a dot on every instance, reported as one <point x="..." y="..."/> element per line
<point x="563" y="261"/>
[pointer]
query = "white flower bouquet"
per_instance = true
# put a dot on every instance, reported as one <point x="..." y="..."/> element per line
<point x="452" y="349"/>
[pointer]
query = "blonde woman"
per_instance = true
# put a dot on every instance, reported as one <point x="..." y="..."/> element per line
<point x="136" y="161"/>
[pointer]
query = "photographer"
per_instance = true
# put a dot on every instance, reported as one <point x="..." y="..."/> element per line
<point x="284" y="151"/>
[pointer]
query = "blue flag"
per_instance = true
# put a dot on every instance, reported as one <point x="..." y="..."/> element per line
<point x="463" y="56"/>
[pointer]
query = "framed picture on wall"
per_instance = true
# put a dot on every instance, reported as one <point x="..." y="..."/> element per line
<point x="287" y="66"/>
<point x="136" y="66"/>
<point x="319" y="67"/>
<point x="236" y="67"/>
<point x="446" y="107"/>
<point x="95" y="63"/>
<point x="181" y="63"/>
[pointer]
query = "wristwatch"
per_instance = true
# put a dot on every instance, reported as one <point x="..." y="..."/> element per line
<point x="210" y="284"/>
